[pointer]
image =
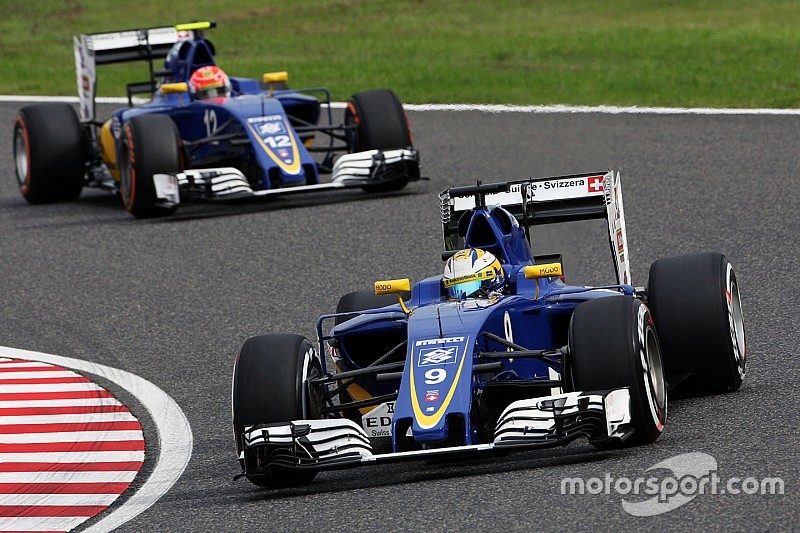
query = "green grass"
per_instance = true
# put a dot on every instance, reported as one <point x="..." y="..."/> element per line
<point x="719" y="53"/>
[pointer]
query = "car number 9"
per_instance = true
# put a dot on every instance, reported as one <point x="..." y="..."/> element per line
<point x="435" y="375"/>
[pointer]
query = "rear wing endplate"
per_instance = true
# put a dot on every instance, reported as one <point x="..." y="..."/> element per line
<point x="123" y="46"/>
<point x="539" y="201"/>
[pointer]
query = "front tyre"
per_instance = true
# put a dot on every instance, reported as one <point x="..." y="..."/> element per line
<point x="150" y="145"/>
<point x="698" y="312"/>
<point x="270" y="384"/>
<point x="613" y="344"/>
<point x="49" y="153"/>
<point x="378" y="121"/>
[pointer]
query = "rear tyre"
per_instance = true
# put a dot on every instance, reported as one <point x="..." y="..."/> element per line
<point x="270" y="384"/>
<point x="49" y="153"/>
<point x="380" y="123"/>
<point x="698" y="313"/>
<point x="613" y="344"/>
<point x="150" y="145"/>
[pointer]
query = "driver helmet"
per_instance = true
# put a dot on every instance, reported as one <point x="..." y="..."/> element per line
<point x="209" y="82"/>
<point x="472" y="273"/>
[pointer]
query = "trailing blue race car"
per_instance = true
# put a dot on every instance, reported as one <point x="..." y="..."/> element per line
<point x="203" y="135"/>
<point x="498" y="353"/>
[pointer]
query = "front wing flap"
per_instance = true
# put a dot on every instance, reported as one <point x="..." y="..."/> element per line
<point x="525" y="424"/>
<point x="372" y="167"/>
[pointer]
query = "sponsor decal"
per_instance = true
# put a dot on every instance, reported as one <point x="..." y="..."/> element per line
<point x="271" y="128"/>
<point x="432" y="395"/>
<point x="445" y="340"/>
<point x="378" y="422"/>
<point x="438" y="356"/>
<point x="488" y="273"/>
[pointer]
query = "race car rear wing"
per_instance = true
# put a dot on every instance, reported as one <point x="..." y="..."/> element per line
<point x="107" y="48"/>
<point x="537" y="201"/>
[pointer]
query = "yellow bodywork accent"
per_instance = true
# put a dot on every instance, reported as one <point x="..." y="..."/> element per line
<point x="194" y="26"/>
<point x="275" y="77"/>
<point x="272" y="78"/>
<point x="428" y="421"/>
<point x="357" y="393"/>
<point x="543" y="271"/>
<point x="180" y="87"/>
<point x="392" y="286"/>
<point x="107" y="149"/>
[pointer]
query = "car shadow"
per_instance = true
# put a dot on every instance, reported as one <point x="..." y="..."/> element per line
<point x="100" y="208"/>
<point x="430" y="470"/>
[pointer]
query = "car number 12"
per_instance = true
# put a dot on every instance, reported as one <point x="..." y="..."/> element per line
<point x="279" y="141"/>
<point x="210" y="120"/>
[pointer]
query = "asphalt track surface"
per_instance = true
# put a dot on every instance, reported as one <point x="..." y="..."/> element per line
<point x="172" y="300"/>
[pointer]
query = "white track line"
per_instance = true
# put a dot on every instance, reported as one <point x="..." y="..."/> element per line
<point x="174" y="434"/>
<point x="488" y="108"/>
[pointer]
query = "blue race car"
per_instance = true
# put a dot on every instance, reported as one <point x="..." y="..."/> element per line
<point x="496" y="354"/>
<point x="205" y="136"/>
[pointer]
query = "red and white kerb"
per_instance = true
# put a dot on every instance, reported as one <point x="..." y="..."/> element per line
<point x="68" y="448"/>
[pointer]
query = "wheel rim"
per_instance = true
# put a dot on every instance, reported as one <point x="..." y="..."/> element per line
<point x="654" y="376"/>
<point x="21" y="155"/>
<point x="736" y="319"/>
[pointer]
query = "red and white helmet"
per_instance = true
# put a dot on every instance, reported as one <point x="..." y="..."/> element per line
<point x="209" y="82"/>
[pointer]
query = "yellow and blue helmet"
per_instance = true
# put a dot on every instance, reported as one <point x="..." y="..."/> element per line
<point x="472" y="273"/>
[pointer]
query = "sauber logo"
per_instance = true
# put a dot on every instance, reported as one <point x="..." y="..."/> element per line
<point x="438" y="356"/>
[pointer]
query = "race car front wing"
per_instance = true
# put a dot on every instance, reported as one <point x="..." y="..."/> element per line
<point x="359" y="169"/>
<point x="534" y="423"/>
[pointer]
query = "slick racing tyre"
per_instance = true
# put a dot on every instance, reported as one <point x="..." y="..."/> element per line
<point x="379" y="122"/>
<point x="613" y="344"/>
<point x="150" y="145"/>
<point x="698" y="314"/>
<point x="270" y="384"/>
<point x="49" y="153"/>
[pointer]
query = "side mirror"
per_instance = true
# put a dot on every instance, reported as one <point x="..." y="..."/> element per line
<point x="271" y="78"/>
<point x="180" y="87"/>
<point x="543" y="271"/>
<point x="392" y="286"/>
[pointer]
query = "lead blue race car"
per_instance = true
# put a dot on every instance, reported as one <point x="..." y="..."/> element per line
<point x="203" y="135"/>
<point x="496" y="354"/>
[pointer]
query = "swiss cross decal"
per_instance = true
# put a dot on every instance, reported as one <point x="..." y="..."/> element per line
<point x="595" y="183"/>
